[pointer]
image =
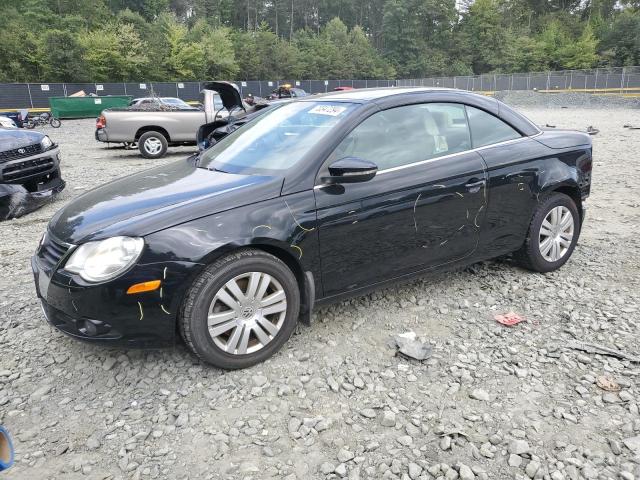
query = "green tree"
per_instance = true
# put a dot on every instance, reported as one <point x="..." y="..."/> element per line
<point x="61" y="57"/>
<point x="113" y="53"/>
<point x="621" y="40"/>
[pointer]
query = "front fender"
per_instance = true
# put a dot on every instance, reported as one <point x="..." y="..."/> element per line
<point x="283" y="224"/>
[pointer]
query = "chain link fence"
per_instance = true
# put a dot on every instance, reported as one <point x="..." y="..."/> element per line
<point x="36" y="95"/>
<point x="623" y="80"/>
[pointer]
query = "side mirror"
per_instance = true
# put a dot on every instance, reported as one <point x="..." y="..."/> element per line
<point x="351" y="170"/>
<point x="6" y="449"/>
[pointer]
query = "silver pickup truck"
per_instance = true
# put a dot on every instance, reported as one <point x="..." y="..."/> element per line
<point x="154" y="130"/>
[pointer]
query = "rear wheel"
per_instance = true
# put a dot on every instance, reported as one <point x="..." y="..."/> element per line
<point x="55" y="123"/>
<point x="553" y="234"/>
<point x="240" y="310"/>
<point x="152" y="145"/>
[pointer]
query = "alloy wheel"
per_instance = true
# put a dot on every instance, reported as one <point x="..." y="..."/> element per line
<point x="247" y="313"/>
<point x="556" y="234"/>
<point x="152" y="146"/>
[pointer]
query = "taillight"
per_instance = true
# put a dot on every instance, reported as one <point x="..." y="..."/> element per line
<point x="101" y="122"/>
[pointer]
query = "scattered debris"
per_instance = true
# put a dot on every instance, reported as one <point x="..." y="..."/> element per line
<point x="409" y="346"/>
<point x="509" y="319"/>
<point x="550" y="126"/>
<point x="607" y="384"/>
<point x="630" y="127"/>
<point x="602" y="350"/>
<point x="592" y="130"/>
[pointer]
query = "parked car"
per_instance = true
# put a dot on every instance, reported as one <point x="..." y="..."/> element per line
<point x="6" y="122"/>
<point x="18" y="117"/>
<point x="154" y="130"/>
<point x="29" y="172"/>
<point x="167" y="101"/>
<point x="287" y="91"/>
<point x="312" y="201"/>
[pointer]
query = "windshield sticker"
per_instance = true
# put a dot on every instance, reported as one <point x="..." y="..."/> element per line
<point x="331" y="110"/>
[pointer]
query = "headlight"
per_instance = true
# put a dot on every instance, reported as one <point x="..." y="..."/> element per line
<point x="46" y="143"/>
<point x="105" y="259"/>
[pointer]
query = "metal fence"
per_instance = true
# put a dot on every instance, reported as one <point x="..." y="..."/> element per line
<point x="36" y="95"/>
<point x="599" y="80"/>
<point x="603" y="80"/>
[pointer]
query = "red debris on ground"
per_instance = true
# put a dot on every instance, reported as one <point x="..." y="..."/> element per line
<point x="509" y="319"/>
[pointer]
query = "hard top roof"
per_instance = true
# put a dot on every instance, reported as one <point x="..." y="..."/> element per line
<point x="368" y="94"/>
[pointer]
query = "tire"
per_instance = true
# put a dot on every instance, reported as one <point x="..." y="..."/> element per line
<point x="152" y="145"/>
<point x="240" y="338"/>
<point x="548" y="248"/>
<point x="55" y="123"/>
<point x="29" y="125"/>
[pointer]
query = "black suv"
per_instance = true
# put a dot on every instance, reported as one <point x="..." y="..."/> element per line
<point x="29" y="172"/>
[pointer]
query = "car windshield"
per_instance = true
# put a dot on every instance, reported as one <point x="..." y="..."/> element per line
<point x="277" y="139"/>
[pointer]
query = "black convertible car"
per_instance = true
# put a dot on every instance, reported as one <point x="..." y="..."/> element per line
<point x="312" y="201"/>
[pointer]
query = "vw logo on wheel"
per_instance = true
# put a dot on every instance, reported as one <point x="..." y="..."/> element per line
<point x="247" y="312"/>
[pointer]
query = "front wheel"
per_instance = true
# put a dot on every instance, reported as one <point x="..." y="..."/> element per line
<point x="240" y="310"/>
<point x="152" y="145"/>
<point x="552" y="236"/>
<point x="55" y="123"/>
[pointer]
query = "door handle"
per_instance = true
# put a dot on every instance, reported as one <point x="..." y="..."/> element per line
<point x="474" y="185"/>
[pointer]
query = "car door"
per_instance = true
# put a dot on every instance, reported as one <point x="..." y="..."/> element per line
<point x="409" y="216"/>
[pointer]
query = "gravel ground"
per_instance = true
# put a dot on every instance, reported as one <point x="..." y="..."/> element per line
<point x="492" y="402"/>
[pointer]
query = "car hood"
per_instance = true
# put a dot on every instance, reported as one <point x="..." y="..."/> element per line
<point x="156" y="199"/>
<point x="11" y="138"/>
<point x="228" y="92"/>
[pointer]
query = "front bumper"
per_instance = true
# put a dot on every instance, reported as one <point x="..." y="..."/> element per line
<point x="105" y="313"/>
<point x="28" y="183"/>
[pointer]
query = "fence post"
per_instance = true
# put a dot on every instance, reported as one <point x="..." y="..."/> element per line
<point x="30" y="98"/>
<point x="622" y="82"/>
<point x="548" y="79"/>
<point x="595" y="84"/>
<point x="125" y="87"/>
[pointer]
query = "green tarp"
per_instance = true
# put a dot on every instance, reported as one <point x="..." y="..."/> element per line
<point x="85" y="107"/>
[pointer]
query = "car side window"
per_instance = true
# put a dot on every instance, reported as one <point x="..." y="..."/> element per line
<point x="487" y="129"/>
<point x="408" y="134"/>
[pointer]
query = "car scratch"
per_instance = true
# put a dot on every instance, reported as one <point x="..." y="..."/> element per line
<point x="141" y="312"/>
<point x="164" y="309"/>
<point x="259" y="226"/>
<point x="299" y="249"/>
<point x="415" y="205"/>
<point x="296" y="220"/>
<point x="460" y="195"/>
<point x="475" y="220"/>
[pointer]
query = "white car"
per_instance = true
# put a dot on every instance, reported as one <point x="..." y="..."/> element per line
<point x="6" y="122"/>
<point x="179" y="104"/>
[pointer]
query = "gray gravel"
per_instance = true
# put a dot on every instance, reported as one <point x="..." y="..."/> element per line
<point x="529" y="98"/>
<point x="491" y="402"/>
